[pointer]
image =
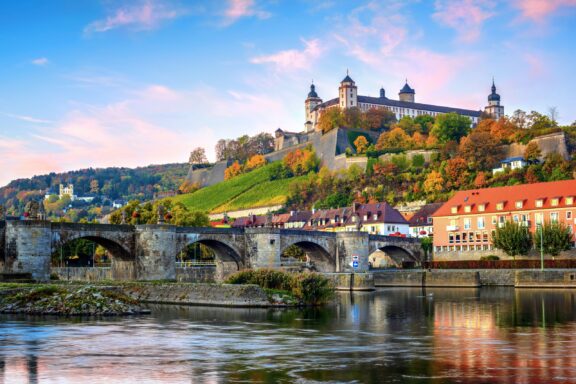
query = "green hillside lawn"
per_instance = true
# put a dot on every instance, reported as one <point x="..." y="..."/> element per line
<point x="253" y="189"/>
<point x="268" y="193"/>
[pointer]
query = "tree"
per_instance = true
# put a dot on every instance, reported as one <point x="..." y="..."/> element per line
<point x="255" y="162"/>
<point x="532" y="152"/>
<point x="553" y="114"/>
<point x="434" y="183"/>
<point x="351" y="117"/>
<point x="425" y="122"/>
<point x="556" y="237"/>
<point x="361" y="144"/>
<point x="457" y="172"/>
<point x="232" y="171"/>
<point x="329" y="119"/>
<point x="408" y="125"/>
<point x="481" y="149"/>
<point x="513" y="239"/>
<point x="480" y="180"/>
<point x="94" y="188"/>
<point x="377" y="119"/>
<point x="396" y="138"/>
<point x="519" y="119"/>
<point x="451" y="126"/>
<point x="198" y="156"/>
<point x="537" y="121"/>
<point x="427" y="246"/>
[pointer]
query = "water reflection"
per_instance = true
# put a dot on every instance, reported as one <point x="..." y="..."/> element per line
<point x="391" y="335"/>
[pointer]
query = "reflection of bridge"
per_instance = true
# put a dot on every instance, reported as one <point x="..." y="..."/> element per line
<point x="148" y="252"/>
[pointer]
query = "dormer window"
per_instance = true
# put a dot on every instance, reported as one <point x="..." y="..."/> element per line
<point x="500" y="206"/>
<point x="467" y="208"/>
<point x="519" y="204"/>
<point x="365" y="217"/>
<point x="569" y="200"/>
<point x="454" y="209"/>
<point x="554" y="202"/>
<point x="375" y="216"/>
<point x="481" y="207"/>
<point x="539" y="203"/>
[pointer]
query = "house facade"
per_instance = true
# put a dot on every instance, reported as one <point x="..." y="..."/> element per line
<point x="421" y="223"/>
<point x="377" y="219"/>
<point x="464" y="225"/>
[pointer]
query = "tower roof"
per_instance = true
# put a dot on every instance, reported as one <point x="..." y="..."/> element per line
<point x="347" y="79"/>
<point x="407" y="89"/>
<point x="493" y="96"/>
<point x="312" y="92"/>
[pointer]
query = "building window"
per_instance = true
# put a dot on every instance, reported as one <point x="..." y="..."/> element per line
<point x="478" y="236"/>
<point x="471" y="236"/>
<point x="375" y="217"/>
<point x="554" y="217"/>
<point x="467" y="208"/>
<point x="500" y="206"/>
<point x="454" y="209"/>
<point x="515" y="218"/>
<point x="464" y="237"/>
<point x="485" y="237"/>
<point x="554" y="202"/>
<point x="494" y="220"/>
<point x="481" y="208"/>
<point x="451" y="238"/>
<point x="457" y="238"/>
<point x="480" y="223"/>
<point x="569" y="200"/>
<point x="539" y="218"/>
<point x="568" y="214"/>
<point x="429" y="220"/>
<point x="519" y="204"/>
<point x="467" y="223"/>
<point x="539" y="203"/>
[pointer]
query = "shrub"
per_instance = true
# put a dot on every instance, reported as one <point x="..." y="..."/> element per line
<point x="489" y="258"/>
<point x="308" y="288"/>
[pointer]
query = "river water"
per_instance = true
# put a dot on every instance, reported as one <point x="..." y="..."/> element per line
<point x="397" y="335"/>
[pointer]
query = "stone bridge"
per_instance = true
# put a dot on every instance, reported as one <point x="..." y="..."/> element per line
<point x="148" y="252"/>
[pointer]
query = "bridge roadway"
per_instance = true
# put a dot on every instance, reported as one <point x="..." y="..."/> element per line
<point x="148" y="252"/>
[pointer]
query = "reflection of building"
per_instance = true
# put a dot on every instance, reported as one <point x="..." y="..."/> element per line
<point x="465" y="223"/>
<point x="405" y="105"/>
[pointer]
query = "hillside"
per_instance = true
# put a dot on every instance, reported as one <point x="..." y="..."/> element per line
<point x="249" y="190"/>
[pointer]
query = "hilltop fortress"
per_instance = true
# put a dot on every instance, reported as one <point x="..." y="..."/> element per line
<point x="331" y="146"/>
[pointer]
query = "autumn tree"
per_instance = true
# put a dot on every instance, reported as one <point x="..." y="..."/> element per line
<point x="480" y="180"/>
<point x="351" y="117"/>
<point x="396" y="138"/>
<point x="377" y="119"/>
<point x="480" y="149"/>
<point x="329" y="119"/>
<point x="533" y="174"/>
<point x="255" y="162"/>
<point x="532" y="152"/>
<point x="451" y="126"/>
<point x="361" y="144"/>
<point x="424" y="122"/>
<point x="198" y="156"/>
<point x="244" y="147"/>
<point x="301" y="161"/>
<point x="434" y="183"/>
<point x="457" y="172"/>
<point x="232" y="171"/>
<point x="408" y="124"/>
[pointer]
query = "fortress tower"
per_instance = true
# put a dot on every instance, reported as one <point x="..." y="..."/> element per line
<point x="406" y="93"/>
<point x="348" y="92"/>
<point x="311" y="102"/>
<point x="494" y="109"/>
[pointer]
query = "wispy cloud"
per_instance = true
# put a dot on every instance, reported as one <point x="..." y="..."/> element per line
<point x="146" y="15"/>
<point x="40" y="61"/>
<point x="292" y="59"/>
<point x="238" y="9"/>
<point x="539" y="10"/>
<point x="28" y="119"/>
<point x="464" y="16"/>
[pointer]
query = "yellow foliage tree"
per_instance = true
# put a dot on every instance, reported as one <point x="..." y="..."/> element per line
<point x="361" y="144"/>
<point x="396" y="138"/>
<point x="255" y="162"/>
<point x="434" y="182"/>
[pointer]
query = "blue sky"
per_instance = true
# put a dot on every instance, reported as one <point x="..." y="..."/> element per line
<point x="98" y="83"/>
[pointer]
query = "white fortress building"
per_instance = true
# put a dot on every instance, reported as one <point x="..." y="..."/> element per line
<point x="405" y="105"/>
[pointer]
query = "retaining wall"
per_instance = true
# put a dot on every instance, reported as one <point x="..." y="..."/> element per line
<point x="196" y="275"/>
<point x="546" y="279"/>
<point x="352" y="281"/>
<point x="408" y="278"/>
<point x="82" y="273"/>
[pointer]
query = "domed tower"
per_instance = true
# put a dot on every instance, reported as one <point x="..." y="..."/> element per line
<point x="494" y="109"/>
<point x="407" y="93"/>
<point x="348" y="92"/>
<point x="312" y="101"/>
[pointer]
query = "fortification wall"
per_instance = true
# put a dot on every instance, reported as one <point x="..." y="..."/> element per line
<point x="554" y="142"/>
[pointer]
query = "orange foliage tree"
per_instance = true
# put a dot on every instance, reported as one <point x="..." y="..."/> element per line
<point x="361" y="144"/>
<point x="434" y="183"/>
<point x="232" y="171"/>
<point x="301" y="161"/>
<point x="457" y="172"/>
<point x="396" y="138"/>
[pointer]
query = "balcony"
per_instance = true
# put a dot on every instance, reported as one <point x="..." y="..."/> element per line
<point x="452" y="228"/>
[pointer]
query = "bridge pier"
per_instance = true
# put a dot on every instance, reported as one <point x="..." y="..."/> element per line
<point x="263" y="247"/>
<point x="352" y="247"/>
<point x="28" y="248"/>
<point x="155" y="252"/>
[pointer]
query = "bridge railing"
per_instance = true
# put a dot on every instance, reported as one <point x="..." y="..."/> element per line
<point x="195" y="264"/>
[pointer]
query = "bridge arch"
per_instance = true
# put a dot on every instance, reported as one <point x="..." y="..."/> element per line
<point x="390" y="255"/>
<point x="320" y="258"/>
<point x="228" y="258"/>
<point x="123" y="261"/>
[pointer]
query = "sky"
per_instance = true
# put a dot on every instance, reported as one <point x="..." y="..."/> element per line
<point x="99" y="83"/>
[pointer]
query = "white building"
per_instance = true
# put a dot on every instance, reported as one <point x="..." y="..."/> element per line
<point x="405" y="105"/>
<point x="67" y="190"/>
<point x="510" y="163"/>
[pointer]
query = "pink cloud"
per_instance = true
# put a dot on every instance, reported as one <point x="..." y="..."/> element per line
<point x="464" y="16"/>
<point x="147" y="15"/>
<point x="292" y="59"/>
<point x="538" y="10"/>
<point x="238" y="9"/>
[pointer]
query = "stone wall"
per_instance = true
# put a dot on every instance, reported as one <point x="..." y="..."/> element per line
<point x="497" y="277"/>
<point x="546" y="279"/>
<point x="398" y="278"/>
<point x="352" y="281"/>
<point x="2" y="239"/>
<point x="426" y="153"/>
<point x="28" y="248"/>
<point x="196" y="275"/>
<point x="199" y="294"/>
<point x="416" y="278"/>
<point x="82" y="273"/>
<point x="208" y="176"/>
<point x="552" y="143"/>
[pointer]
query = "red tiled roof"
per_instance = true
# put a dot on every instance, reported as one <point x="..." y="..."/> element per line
<point x="527" y="193"/>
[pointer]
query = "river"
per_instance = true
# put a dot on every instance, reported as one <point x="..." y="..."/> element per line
<point x="396" y="335"/>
